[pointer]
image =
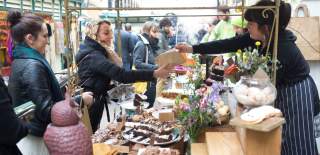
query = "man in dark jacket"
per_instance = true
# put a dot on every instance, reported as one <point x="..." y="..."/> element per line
<point x="12" y="130"/>
<point x="126" y="48"/>
<point x="134" y="37"/>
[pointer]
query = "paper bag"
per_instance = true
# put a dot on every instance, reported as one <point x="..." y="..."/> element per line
<point x="307" y="30"/>
<point x="86" y="119"/>
<point x="170" y="57"/>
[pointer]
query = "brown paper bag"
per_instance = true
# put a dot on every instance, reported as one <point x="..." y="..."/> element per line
<point x="86" y="119"/>
<point x="170" y="57"/>
<point x="307" y="30"/>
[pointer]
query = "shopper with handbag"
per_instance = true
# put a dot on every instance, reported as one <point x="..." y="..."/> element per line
<point x="96" y="68"/>
<point x="32" y="78"/>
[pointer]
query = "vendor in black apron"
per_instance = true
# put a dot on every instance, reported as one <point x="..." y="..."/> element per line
<point x="297" y="95"/>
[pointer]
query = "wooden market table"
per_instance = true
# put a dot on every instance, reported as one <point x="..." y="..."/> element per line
<point x="244" y="139"/>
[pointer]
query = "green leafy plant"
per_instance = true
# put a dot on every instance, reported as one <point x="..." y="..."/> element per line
<point x="250" y="60"/>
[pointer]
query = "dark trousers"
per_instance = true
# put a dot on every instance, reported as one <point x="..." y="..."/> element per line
<point x="96" y="111"/>
<point x="151" y="93"/>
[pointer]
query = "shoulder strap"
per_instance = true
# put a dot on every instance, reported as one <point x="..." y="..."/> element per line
<point x="146" y="44"/>
<point x="143" y="39"/>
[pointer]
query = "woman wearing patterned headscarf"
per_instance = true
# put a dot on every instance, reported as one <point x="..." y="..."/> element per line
<point x="96" y="68"/>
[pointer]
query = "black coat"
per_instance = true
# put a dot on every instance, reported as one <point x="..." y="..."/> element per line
<point x="29" y="81"/>
<point x="96" y="71"/>
<point x="12" y="129"/>
<point x="293" y="67"/>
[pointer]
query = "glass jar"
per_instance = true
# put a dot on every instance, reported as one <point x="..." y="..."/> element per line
<point x="254" y="92"/>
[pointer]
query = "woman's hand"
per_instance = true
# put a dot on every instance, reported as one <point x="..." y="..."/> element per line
<point x="184" y="48"/>
<point x="163" y="71"/>
<point x="114" y="57"/>
<point x="87" y="98"/>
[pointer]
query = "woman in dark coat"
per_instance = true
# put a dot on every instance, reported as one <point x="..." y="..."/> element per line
<point x="97" y="67"/>
<point x="297" y="95"/>
<point x="32" y="78"/>
<point x="12" y="129"/>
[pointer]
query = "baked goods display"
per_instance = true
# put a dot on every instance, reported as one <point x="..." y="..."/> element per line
<point x="158" y="151"/>
<point x="140" y="132"/>
<point x="217" y="73"/>
<point x="144" y="114"/>
<point x="108" y="135"/>
<point x="257" y="115"/>
<point x="172" y="93"/>
<point x="167" y="97"/>
<point x="139" y="99"/>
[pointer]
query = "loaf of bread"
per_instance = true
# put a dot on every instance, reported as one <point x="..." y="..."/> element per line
<point x="257" y="115"/>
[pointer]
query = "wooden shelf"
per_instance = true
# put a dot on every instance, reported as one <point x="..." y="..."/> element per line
<point x="199" y="149"/>
<point x="265" y="126"/>
<point x="223" y="143"/>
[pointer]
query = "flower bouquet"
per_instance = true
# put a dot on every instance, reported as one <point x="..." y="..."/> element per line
<point x="247" y="62"/>
<point x="202" y="109"/>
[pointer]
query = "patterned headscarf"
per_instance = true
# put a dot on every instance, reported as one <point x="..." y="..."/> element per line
<point x="92" y="31"/>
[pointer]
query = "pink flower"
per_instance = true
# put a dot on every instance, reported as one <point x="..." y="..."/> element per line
<point x="185" y="107"/>
<point x="203" y="89"/>
<point x="198" y="92"/>
<point x="203" y="104"/>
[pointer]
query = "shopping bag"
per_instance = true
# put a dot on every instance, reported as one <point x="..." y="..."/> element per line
<point x="85" y="119"/>
<point x="307" y="30"/>
<point x="139" y="87"/>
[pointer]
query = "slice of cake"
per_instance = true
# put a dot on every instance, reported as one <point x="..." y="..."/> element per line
<point x="163" y="138"/>
<point x="138" y="98"/>
<point x="218" y="70"/>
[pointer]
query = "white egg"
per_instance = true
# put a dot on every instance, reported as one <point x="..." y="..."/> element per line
<point x="253" y="91"/>
<point x="267" y="91"/>
<point x="241" y="89"/>
<point x="242" y="98"/>
<point x="270" y="98"/>
<point x="259" y="98"/>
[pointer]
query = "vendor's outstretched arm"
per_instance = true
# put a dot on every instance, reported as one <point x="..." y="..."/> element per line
<point x="224" y="46"/>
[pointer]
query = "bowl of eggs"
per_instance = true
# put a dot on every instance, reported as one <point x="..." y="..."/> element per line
<point x="254" y="92"/>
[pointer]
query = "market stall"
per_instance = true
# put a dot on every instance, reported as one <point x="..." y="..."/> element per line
<point x="193" y="109"/>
